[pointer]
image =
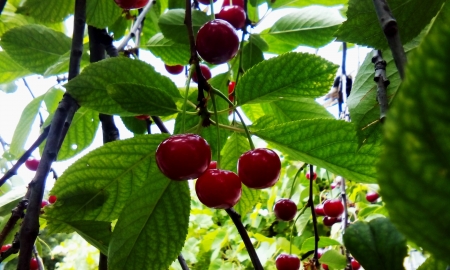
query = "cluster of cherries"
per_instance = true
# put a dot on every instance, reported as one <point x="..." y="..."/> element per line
<point x="34" y="264"/>
<point x="188" y="156"/>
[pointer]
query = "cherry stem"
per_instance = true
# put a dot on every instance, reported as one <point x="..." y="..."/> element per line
<point x="293" y="225"/>
<point x="213" y="99"/>
<point x="228" y="127"/>
<point x="25" y="156"/>
<point x="244" y="235"/>
<point x="182" y="262"/>
<point x="295" y="178"/>
<point x="313" y="212"/>
<point x="211" y="4"/>
<point x="41" y="119"/>
<point x="186" y="98"/>
<point x="159" y="123"/>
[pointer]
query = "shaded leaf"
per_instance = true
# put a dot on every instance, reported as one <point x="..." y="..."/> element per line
<point x="101" y="13"/>
<point x="134" y="125"/>
<point x="170" y="52"/>
<point x="334" y="259"/>
<point x="172" y="24"/>
<point x="251" y="55"/>
<point x="302" y="3"/>
<point x="10" y="70"/>
<point x="51" y="11"/>
<point x="309" y="243"/>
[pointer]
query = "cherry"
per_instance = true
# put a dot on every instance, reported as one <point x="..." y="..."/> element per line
<point x="183" y="156"/>
<point x="329" y="221"/>
<point x="334" y="185"/>
<point x="32" y="164"/>
<point x="259" y="168"/>
<point x="34" y="265"/>
<point x="333" y="208"/>
<point x="217" y="42"/>
<point x="324" y="266"/>
<point x="285" y="209"/>
<point x="218" y="189"/>
<point x="5" y="247"/>
<point x="131" y="4"/>
<point x="142" y="117"/>
<point x="314" y="176"/>
<point x="205" y="71"/>
<point x="52" y="199"/>
<point x="319" y="210"/>
<point x="231" y="87"/>
<point x="212" y="165"/>
<point x="372" y="196"/>
<point x="206" y="2"/>
<point x="287" y="262"/>
<point x="320" y="252"/>
<point x="355" y="264"/>
<point x="174" y="69"/>
<point x="235" y="2"/>
<point x="235" y="15"/>
<point x="44" y="203"/>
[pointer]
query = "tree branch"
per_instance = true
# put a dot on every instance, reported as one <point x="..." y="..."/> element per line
<point x="390" y="29"/>
<point x="14" y="249"/>
<point x="182" y="262"/>
<point x="314" y="218"/>
<point x="16" y="214"/>
<point x="345" y="218"/>
<point x="160" y="124"/>
<point x="136" y="26"/>
<point x="2" y="5"/>
<point x="382" y="83"/>
<point x="25" y="156"/>
<point x="248" y="243"/>
<point x="103" y="262"/>
<point x="64" y="112"/>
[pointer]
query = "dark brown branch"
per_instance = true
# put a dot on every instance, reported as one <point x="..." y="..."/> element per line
<point x="314" y="218"/>
<point x="345" y="218"/>
<point x="14" y="249"/>
<point x="41" y="119"/>
<point x="182" y="262"/>
<point x="103" y="262"/>
<point x="25" y="156"/>
<point x="248" y="243"/>
<point x="390" y="29"/>
<point x="16" y="214"/>
<point x="39" y="260"/>
<point x="382" y="83"/>
<point x="2" y="5"/>
<point x="159" y="123"/>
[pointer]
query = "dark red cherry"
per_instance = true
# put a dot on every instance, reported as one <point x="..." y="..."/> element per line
<point x="372" y="196"/>
<point x="5" y="247"/>
<point x="314" y="176"/>
<point x="287" y="262"/>
<point x="212" y="165"/>
<point x="259" y="168"/>
<point x="329" y="221"/>
<point x="52" y="199"/>
<point x="32" y="164"/>
<point x="131" y="4"/>
<point x="217" y="42"/>
<point x="142" y="117"/>
<point x="319" y="210"/>
<point x="233" y="2"/>
<point x="177" y="69"/>
<point x="285" y="209"/>
<point x="34" y="265"/>
<point x="355" y="264"/>
<point x="235" y="15"/>
<point x="333" y="208"/>
<point x="205" y="71"/>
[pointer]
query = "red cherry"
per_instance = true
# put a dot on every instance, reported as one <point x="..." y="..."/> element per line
<point x="142" y="117"/>
<point x="52" y="199"/>
<point x="218" y="189"/>
<point x="285" y="209"/>
<point x="287" y="262"/>
<point x="231" y="87"/>
<point x="131" y="4"/>
<point x="355" y="264"/>
<point x="206" y="2"/>
<point x="329" y="221"/>
<point x="235" y="2"/>
<point x="183" y="156"/>
<point x="212" y="165"/>
<point x="34" y="265"/>
<point x="259" y="168"/>
<point x="235" y="15"/>
<point x="205" y="71"/>
<point x="333" y="208"/>
<point x="32" y="164"/>
<point x="44" y="203"/>
<point x="333" y="185"/>
<point x="217" y="42"/>
<point x="319" y="210"/>
<point x="314" y="176"/>
<point x="372" y="196"/>
<point x="177" y="69"/>
<point x="320" y="252"/>
<point x="5" y="247"/>
<point x="324" y="266"/>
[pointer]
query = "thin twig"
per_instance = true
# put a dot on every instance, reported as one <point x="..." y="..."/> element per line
<point x="14" y="249"/>
<point x="248" y="243"/>
<point x="182" y="262"/>
<point x="25" y="156"/>
<point x="16" y="214"/>
<point x="64" y="113"/>
<point x="314" y="218"/>
<point x="345" y="217"/>
<point x="382" y="83"/>
<point x="148" y="125"/>
<point x="103" y="262"/>
<point x="110" y="131"/>
<point x="390" y="30"/>
<point x="32" y="95"/>
<point x="160" y="124"/>
<point x="2" y="5"/>
<point x="136" y="26"/>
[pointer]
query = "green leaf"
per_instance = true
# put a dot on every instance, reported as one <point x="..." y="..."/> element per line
<point x="101" y="13"/>
<point x="362" y="26"/>
<point x="119" y="27"/>
<point x="89" y="88"/>
<point x="251" y="55"/>
<point x="172" y="24"/>
<point x="258" y="41"/>
<point x="362" y="102"/>
<point x="334" y="259"/>
<point x="81" y="133"/>
<point x="62" y="65"/>
<point x="431" y="263"/>
<point x="10" y="18"/>
<point x="151" y="230"/>
<point x="312" y="26"/>
<point x="376" y="244"/>
<point x="171" y="53"/>
<point x="417" y="153"/>
<point x="309" y="243"/>
<point x="289" y="76"/>
<point x="10" y="70"/>
<point x="51" y="12"/>
<point x="134" y="125"/>
<point x="275" y="45"/>
<point x="97" y="186"/>
<point x="35" y="47"/>
<point x="151" y="27"/>
<point x="23" y="128"/>
<point x="8" y="88"/>
<point x="236" y="145"/>
<point x="97" y="233"/>
<point x="141" y="99"/>
<point x="303" y="3"/>
<point x="330" y="144"/>
<point x="173" y="4"/>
